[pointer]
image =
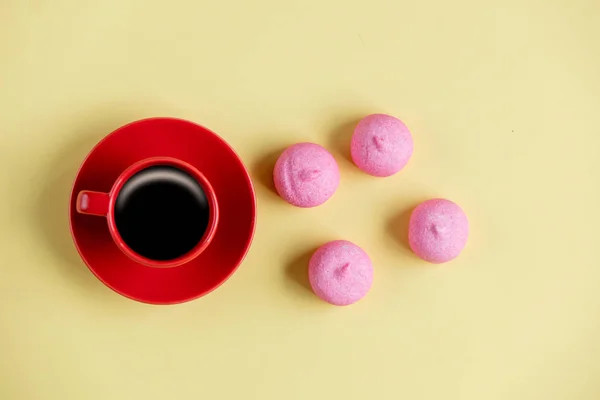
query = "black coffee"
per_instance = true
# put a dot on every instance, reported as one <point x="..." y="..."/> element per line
<point x="161" y="212"/>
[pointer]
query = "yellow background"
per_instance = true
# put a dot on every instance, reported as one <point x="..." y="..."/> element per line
<point x="502" y="98"/>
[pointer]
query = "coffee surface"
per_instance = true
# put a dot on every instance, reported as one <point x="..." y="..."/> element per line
<point x="161" y="212"/>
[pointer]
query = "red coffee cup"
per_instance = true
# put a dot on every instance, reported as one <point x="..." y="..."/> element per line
<point x="103" y="204"/>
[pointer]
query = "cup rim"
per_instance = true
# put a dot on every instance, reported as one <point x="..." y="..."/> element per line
<point x="213" y="218"/>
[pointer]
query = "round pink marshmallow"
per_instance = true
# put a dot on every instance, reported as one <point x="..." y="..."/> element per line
<point x="306" y="175"/>
<point x="438" y="230"/>
<point x="340" y="273"/>
<point x="381" y="145"/>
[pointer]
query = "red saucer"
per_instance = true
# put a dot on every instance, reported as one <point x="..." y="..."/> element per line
<point x="166" y="137"/>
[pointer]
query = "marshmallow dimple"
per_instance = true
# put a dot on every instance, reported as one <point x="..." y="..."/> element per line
<point x="438" y="230"/>
<point x="340" y="273"/>
<point x="306" y="175"/>
<point x="381" y="145"/>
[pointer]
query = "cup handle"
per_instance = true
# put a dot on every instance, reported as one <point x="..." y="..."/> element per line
<point x="92" y="203"/>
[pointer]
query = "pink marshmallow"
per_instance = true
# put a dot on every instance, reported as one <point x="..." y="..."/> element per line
<point x="438" y="230"/>
<point x="306" y="175"/>
<point x="381" y="145"/>
<point x="340" y="273"/>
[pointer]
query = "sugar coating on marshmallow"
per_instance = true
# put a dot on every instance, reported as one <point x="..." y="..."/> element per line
<point x="306" y="175"/>
<point x="438" y="230"/>
<point x="340" y="273"/>
<point x="381" y="145"/>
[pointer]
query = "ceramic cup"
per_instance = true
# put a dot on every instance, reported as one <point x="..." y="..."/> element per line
<point x="161" y="211"/>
